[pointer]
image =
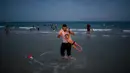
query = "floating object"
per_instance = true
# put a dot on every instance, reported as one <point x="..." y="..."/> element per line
<point x="30" y="56"/>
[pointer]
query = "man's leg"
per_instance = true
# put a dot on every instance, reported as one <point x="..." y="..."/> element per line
<point x="69" y="49"/>
<point x="69" y="52"/>
<point x="62" y="50"/>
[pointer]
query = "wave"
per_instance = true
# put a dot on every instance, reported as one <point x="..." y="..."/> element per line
<point x="27" y="28"/>
<point x="2" y="26"/>
<point x="92" y="29"/>
<point x="126" y="31"/>
<point x="46" y="32"/>
<point x="83" y="33"/>
<point x="80" y="30"/>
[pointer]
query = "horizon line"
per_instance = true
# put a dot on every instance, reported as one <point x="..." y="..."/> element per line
<point x="59" y="21"/>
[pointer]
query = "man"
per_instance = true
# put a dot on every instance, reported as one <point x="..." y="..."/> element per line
<point x="88" y="28"/>
<point x="55" y="26"/>
<point x="65" y="46"/>
<point x="7" y="29"/>
<point x="38" y="28"/>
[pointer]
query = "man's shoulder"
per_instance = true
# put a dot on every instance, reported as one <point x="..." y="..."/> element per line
<point x="60" y="31"/>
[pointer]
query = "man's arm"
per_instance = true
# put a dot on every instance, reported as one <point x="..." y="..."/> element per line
<point x="59" y="35"/>
<point x="71" y="32"/>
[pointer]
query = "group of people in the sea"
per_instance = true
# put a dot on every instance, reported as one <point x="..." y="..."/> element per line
<point x="54" y="27"/>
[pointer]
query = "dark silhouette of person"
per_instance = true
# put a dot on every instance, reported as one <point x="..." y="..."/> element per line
<point x="88" y="28"/>
<point x="7" y="29"/>
<point x="38" y="28"/>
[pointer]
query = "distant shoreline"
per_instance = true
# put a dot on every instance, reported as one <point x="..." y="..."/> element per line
<point x="59" y="21"/>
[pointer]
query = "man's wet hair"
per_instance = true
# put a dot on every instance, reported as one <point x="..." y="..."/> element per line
<point x="64" y="25"/>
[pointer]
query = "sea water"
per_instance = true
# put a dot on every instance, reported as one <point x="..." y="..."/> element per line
<point x="77" y="27"/>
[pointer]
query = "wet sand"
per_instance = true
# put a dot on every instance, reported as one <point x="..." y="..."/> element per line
<point x="100" y="54"/>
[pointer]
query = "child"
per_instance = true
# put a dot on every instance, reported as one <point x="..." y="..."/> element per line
<point x="73" y="43"/>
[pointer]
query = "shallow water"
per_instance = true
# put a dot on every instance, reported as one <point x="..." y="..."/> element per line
<point x="104" y="54"/>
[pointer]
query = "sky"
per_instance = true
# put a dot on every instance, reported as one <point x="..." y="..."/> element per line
<point x="65" y="10"/>
<point x="1" y="11"/>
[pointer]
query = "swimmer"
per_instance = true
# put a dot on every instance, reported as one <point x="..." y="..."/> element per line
<point x="7" y="29"/>
<point x="73" y="43"/>
<point x="52" y="27"/>
<point x="55" y="26"/>
<point x="88" y="28"/>
<point x="38" y="28"/>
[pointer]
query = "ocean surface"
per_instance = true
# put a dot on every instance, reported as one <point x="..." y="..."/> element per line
<point x="105" y="50"/>
<point x="73" y="25"/>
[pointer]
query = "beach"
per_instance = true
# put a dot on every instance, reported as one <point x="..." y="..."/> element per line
<point x="102" y="53"/>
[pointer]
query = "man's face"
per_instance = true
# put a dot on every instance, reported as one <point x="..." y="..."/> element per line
<point x="64" y="28"/>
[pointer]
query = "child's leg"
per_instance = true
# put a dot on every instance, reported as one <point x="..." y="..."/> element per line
<point x="77" y="47"/>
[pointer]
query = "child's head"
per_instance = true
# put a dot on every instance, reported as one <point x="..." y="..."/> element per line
<point x="67" y="36"/>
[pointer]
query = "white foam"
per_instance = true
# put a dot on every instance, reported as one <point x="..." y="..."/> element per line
<point x="127" y="31"/>
<point x="2" y="26"/>
<point x="81" y="30"/>
<point x="92" y="29"/>
<point x="12" y="27"/>
<point x="27" y="28"/>
<point x="76" y="32"/>
<point x="45" y="32"/>
<point x="102" y="29"/>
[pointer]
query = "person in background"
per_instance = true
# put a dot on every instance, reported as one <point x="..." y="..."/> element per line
<point x="56" y="27"/>
<point x="7" y="29"/>
<point x="88" y="28"/>
<point x="52" y="26"/>
<point x="32" y="28"/>
<point x="38" y="28"/>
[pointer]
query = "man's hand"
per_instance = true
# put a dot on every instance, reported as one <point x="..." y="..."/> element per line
<point x="72" y="33"/>
<point x="58" y="36"/>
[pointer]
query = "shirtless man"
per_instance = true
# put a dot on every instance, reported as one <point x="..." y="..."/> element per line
<point x="65" y="46"/>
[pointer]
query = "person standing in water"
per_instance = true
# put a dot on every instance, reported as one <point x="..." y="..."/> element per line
<point x="55" y="26"/>
<point x="88" y="28"/>
<point x="65" y="46"/>
<point x="38" y="28"/>
<point x="7" y="29"/>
